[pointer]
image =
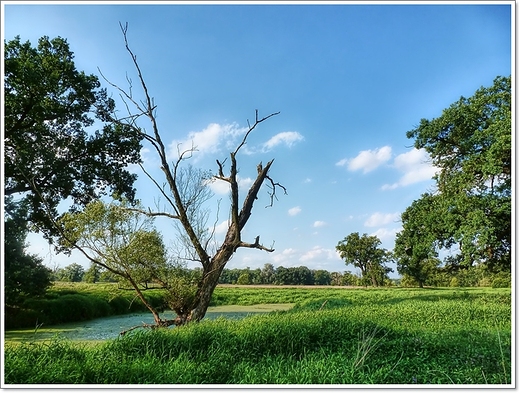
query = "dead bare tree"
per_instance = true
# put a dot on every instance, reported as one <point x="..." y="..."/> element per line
<point x="182" y="198"/>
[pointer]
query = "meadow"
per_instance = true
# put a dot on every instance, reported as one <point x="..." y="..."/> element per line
<point x="331" y="336"/>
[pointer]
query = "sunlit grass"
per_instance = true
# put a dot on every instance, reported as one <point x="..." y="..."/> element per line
<point x="357" y="337"/>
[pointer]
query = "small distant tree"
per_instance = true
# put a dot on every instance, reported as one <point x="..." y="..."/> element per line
<point x="321" y="277"/>
<point x="92" y="274"/>
<point x="267" y="274"/>
<point x="364" y="253"/>
<point x="350" y="279"/>
<point x="71" y="273"/>
<point x="244" y="279"/>
<point x="336" y="278"/>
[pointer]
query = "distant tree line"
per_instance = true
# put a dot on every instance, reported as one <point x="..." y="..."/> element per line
<point x="477" y="276"/>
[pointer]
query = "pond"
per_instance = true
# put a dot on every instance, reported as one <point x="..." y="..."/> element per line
<point x="109" y="327"/>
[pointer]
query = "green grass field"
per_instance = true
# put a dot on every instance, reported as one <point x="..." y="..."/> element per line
<point x="331" y="336"/>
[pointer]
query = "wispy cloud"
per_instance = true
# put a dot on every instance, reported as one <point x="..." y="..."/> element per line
<point x="319" y="253"/>
<point x="284" y="256"/>
<point x="318" y="224"/>
<point x="385" y="234"/>
<point x="209" y="140"/>
<point x="220" y="187"/>
<point x="379" y="219"/>
<point x="293" y="211"/>
<point x="367" y="160"/>
<point x="288" y="138"/>
<point x="222" y="227"/>
<point x="416" y="167"/>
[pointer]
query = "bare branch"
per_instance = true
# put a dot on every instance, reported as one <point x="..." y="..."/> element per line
<point x="161" y="189"/>
<point x="251" y="128"/>
<point x="272" y="194"/>
<point x="149" y="213"/>
<point x="256" y="244"/>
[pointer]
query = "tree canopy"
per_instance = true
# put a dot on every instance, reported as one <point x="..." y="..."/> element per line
<point x="415" y="246"/>
<point x="52" y="148"/>
<point x="470" y="143"/>
<point x="364" y="253"/>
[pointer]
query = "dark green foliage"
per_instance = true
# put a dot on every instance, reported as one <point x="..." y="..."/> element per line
<point x="25" y="275"/>
<point x="71" y="273"/>
<point x="50" y="153"/>
<point x="93" y="274"/>
<point x="471" y="145"/>
<point x="84" y="303"/>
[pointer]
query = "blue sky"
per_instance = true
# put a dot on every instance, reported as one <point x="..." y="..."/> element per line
<point x="349" y="81"/>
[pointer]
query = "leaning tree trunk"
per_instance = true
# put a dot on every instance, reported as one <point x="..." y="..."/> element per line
<point x="212" y="266"/>
<point x="206" y="288"/>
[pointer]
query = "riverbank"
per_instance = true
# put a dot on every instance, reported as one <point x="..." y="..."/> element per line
<point x="75" y="302"/>
<point x="106" y="328"/>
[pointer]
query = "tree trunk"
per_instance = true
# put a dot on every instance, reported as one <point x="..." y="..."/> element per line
<point x="209" y="281"/>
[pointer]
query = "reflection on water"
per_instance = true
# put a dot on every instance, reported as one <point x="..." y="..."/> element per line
<point x="105" y="328"/>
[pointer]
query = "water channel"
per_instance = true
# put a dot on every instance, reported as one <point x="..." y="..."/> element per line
<point x="109" y="327"/>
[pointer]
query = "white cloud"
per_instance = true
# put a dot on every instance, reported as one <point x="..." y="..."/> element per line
<point x="385" y="233"/>
<point x="209" y="140"/>
<point x="284" y="256"/>
<point x="293" y="211"/>
<point x="318" y="224"/>
<point x="379" y="219"/>
<point x="221" y="187"/>
<point x="288" y="138"/>
<point x="367" y="160"/>
<point x="319" y="253"/>
<point x="222" y="227"/>
<point x="416" y="167"/>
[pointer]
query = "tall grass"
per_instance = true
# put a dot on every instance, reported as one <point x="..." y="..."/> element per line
<point x="369" y="337"/>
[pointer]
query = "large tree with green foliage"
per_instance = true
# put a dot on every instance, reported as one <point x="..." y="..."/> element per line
<point x="470" y="143"/>
<point x="53" y="148"/>
<point x="364" y="253"/>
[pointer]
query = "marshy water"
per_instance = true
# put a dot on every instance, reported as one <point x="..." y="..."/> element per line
<point x="109" y="327"/>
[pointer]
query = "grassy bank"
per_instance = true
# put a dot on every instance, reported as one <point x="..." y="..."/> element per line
<point x="73" y="302"/>
<point x="376" y="336"/>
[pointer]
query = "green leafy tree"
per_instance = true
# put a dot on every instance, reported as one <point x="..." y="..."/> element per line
<point x="71" y="273"/>
<point x="470" y="143"/>
<point x="282" y="276"/>
<point x="321" y="277"/>
<point x="350" y="279"/>
<point x="364" y="253"/>
<point x="267" y="274"/>
<point x="25" y="275"/>
<point x="92" y="274"/>
<point x="303" y="275"/>
<point x="50" y="152"/>
<point x="125" y="243"/>
<point x="244" y="278"/>
<point x="415" y="247"/>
